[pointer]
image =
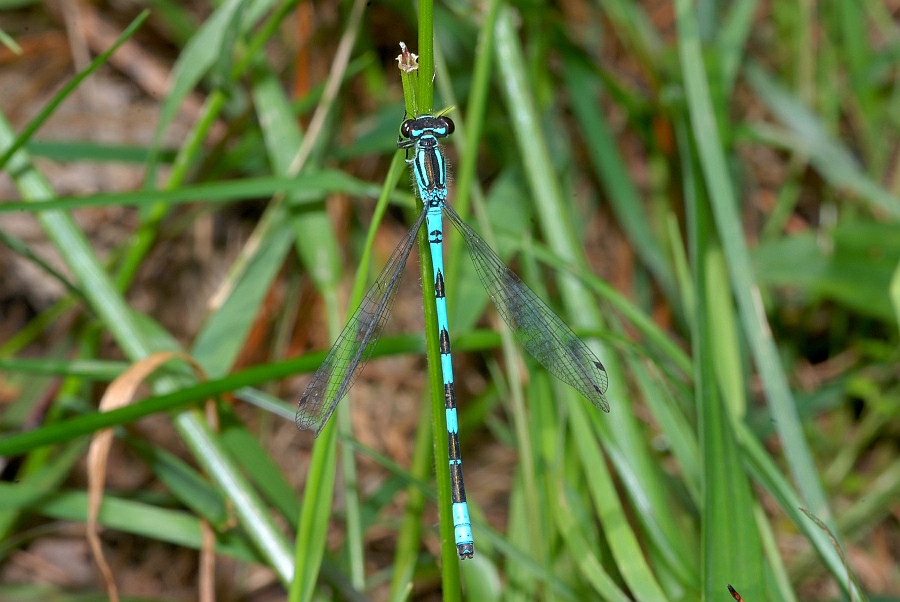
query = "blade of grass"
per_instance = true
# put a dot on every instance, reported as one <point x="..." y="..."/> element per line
<point x="119" y="319"/>
<point x="765" y="353"/>
<point x="82" y="425"/>
<point x="20" y="247"/>
<point x="681" y="436"/>
<point x="809" y="137"/>
<point x="289" y="152"/>
<point x="224" y="333"/>
<point x="621" y="435"/>
<point x="633" y="26"/>
<point x="731" y="550"/>
<point x="316" y="506"/>
<point x="103" y="370"/>
<point x="68" y="152"/>
<point x="732" y="40"/>
<point x="409" y="537"/>
<point x="733" y="546"/>
<point x="622" y="541"/>
<point x="314" y="514"/>
<point x="894" y="292"/>
<point x="588" y="563"/>
<point x="35" y="484"/>
<point x="172" y="526"/>
<point x="304" y="189"/>
<point x="185" y="483"/>
<point x="197" y="58"/>
<point x="213" y="42"/>
<point x="765" y="472"/>
<point x="9" y="42"/>
<point x="70" y="86"/>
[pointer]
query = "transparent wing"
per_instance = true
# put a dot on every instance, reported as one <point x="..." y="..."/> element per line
<point x="356" y="342"/>
<point x="540" y="331"/>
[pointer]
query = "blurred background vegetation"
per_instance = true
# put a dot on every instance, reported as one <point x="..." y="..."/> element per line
<point x="709" y="192"/>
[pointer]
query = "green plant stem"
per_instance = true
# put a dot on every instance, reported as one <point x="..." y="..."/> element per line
<point x="425" y="91"/>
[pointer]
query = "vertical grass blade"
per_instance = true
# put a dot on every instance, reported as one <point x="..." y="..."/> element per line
<point x="705" y="132"/>
<point x="731" y="548"/>
<point x="621" y="435"/>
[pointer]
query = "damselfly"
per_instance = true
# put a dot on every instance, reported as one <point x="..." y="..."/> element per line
<point x="543" y="334"/>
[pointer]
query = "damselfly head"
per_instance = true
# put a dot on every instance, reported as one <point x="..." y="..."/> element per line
<point x="427" y="125"/>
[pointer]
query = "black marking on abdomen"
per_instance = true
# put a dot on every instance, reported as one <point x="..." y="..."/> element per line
<point x="439" y="285"/>
<point x="445" y="341"/>
<point x="449" y="396"/>
<point x="457" y="487"/>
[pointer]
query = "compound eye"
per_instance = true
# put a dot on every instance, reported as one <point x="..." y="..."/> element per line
<point x="448" y="123"/>
<point x="406" y="128"/>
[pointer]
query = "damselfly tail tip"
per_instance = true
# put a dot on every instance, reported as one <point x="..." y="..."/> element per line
<point x="465" y="550"/>
<point x="734" y="594"/>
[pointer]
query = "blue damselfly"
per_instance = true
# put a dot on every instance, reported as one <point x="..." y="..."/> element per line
<point x="543" y="334"/>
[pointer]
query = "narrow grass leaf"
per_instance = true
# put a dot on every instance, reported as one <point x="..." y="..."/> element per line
<point x="315" y="513"/>
<point x="765" y="472"/>
<point x="64" y="92"/>
<point x="76" y="151"/>
<point x="34" y="483"/>
<point x="895" y="292"/>
<point x="409" y="536"/>
<point x="317" y="247"/>
<point x="9" y="42"/>
<point x="253" y="514"/>
<point x="259" y="466"/>
<point x="622" y="436"/>
<point x="732" y="41"/>
<point x="619" y="535"/>
<point x="765" y="353"/>
<point x="854" y="267"/>
<point x="201" y="53"/>
<point x="583" y="553"/>
<point x="304" y="189"/>
<point x="102" y="370"/>
<point x="314" y="234"/>
<point x="725" y="342"/>
<point x="224" y="333"/>
<point x="731" y="547"/>
<point x="181" y="398"/>
<point x="160" y="524"/>
<point x="808" y="136"/>
<point x="680" y="434"/>
<point x="185" y="483"/>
